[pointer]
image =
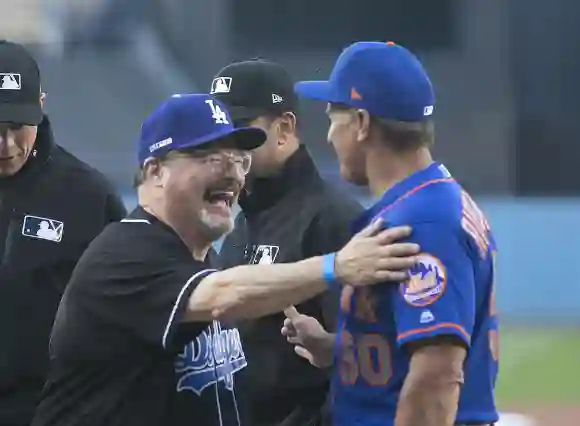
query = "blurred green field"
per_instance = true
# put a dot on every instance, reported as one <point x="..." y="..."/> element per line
<point x="539" y="366"/>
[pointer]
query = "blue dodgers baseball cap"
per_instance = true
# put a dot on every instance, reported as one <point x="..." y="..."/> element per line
<point x="384" y="78"/>
<point x="189" y="121"/>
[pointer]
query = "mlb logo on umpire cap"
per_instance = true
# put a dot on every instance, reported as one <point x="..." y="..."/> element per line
<point x="221" y="85"/>
<point x="189" y="121"/>
<point x="20" y="87"/>
<point x="384" y="78"/>
<point x="10" y="81"/>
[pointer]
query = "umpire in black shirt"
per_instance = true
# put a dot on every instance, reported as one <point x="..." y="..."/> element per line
<point x="51" y="206"/>
<point x="288" y="213"/>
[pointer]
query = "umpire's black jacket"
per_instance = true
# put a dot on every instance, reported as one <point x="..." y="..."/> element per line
<point x="49" y="212"/>
<point x="293" y="216"/>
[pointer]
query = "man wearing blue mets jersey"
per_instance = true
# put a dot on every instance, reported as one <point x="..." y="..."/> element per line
<point x="421" y="352"/>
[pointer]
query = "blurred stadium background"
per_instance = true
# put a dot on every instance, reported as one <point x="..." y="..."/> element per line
<point x="506" y="76"/>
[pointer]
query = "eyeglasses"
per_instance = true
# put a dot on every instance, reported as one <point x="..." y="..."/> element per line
<point x="241" y="160"/>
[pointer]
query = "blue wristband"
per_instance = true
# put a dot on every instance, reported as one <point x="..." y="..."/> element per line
<point x="328" y="271"/>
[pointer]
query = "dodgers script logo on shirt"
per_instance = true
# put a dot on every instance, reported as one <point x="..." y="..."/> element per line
<point x="215" y="355"/>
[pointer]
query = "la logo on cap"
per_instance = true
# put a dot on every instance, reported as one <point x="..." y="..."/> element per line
<point x="221" y="85"/>
<point x="10" y="81"/>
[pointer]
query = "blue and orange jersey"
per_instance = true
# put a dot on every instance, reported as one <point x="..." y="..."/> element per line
<point x="450" y="292"/>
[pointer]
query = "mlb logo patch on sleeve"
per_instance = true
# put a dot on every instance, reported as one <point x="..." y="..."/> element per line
<point x="42" y="228"/>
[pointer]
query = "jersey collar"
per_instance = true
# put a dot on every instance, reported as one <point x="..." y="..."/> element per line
<point x="140" y="214"/>
<point x="431" y="172"/>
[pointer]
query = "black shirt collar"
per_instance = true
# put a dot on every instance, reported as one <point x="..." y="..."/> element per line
<point x="261" y="193"/>
<point x="139" y="214"/>
<point x="40" y="156"/>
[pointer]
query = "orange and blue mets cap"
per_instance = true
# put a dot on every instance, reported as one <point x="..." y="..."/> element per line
<point x="384" y="78"/>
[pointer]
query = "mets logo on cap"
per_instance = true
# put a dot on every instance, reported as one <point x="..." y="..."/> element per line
<point x="427" y="282"/>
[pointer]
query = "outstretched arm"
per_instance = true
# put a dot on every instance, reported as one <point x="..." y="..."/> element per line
<point x="251" y="291"/>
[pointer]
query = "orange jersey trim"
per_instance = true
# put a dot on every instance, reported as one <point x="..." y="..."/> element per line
<point x="436" y="327"/>
<point x="412" y="191"/>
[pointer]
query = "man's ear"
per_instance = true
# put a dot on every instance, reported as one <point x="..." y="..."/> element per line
<point x="42" y="98"/>
<point x="364" y="119"/>
<point x="286" y="127"/>
<point x="154" y="172"/>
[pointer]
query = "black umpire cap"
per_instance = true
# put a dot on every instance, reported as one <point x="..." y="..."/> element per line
<point x="19" y="86"/>
<point x="254" y="88"/>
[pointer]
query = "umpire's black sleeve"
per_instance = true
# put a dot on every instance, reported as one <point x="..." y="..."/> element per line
<point x="329" y="232"/>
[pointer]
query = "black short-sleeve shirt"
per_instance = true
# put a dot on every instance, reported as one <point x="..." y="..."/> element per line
<point x="120" y="352"/>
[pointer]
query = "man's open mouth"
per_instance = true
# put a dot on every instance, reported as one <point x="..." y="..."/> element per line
<point x="220" y="197"/>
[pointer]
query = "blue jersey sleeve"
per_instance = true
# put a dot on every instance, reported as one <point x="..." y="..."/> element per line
<point x="439" y="298"/>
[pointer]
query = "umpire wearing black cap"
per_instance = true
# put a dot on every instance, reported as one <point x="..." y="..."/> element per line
<point x="51" y="206"/>
<point x="288" y="213"/>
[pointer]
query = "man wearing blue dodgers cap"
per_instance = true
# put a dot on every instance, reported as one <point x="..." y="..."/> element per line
<point x="403" y="347"/>
<point x="137" y="338"/>
<point x="175" y="131"/>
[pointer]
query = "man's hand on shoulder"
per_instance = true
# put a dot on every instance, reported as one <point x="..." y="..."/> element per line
<point x="373" y="256"/>
<point x="250" y="291"/>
